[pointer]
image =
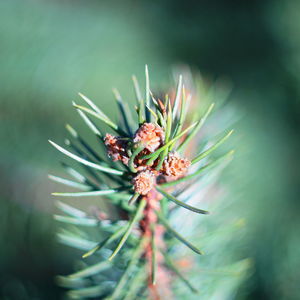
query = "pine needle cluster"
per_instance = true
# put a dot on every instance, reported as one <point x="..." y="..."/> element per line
<point x="148" y="176"/>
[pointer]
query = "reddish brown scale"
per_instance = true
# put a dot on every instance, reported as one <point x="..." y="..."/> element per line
<point x="141" y="164"/>
<point x="161" y="107"/>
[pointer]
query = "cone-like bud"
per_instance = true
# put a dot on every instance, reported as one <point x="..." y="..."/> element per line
<point x="116" y="148"/>
<point x="144" y="182"/>
<point x="150" y="135"/>
<point x="174" y="165"/>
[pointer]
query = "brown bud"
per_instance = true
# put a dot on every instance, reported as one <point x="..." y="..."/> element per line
<point x="116" y="148"/>
<point x="174" y="165"/>
<point x="143" y="182"/>
<point x="150" y="135"/>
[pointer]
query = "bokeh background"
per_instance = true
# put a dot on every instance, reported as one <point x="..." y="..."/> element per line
<point x="50" y="50"/>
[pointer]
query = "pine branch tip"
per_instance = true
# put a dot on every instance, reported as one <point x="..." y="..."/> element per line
<point x="138" y="226"/>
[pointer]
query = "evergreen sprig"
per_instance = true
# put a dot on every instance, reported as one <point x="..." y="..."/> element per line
<point x="152" y="175"/>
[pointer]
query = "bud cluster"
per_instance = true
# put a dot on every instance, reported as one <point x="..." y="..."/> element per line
<point x="150" y="137"/>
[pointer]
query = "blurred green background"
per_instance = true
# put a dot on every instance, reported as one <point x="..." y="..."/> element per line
<point x="50" y="50"/>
